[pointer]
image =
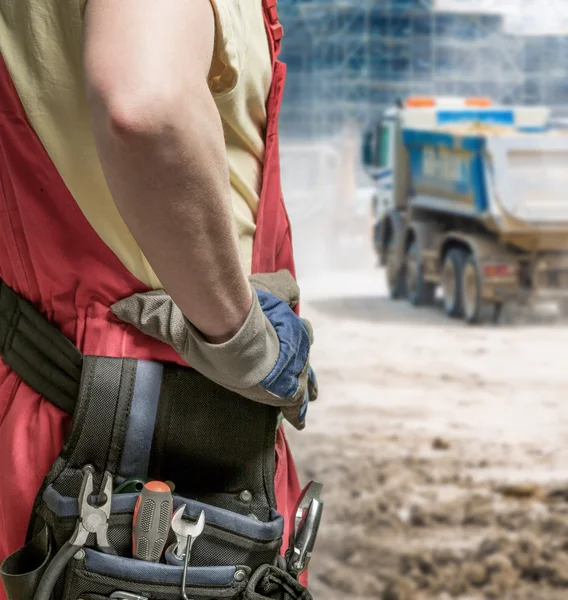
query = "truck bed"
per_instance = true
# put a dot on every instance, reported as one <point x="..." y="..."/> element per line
<point x="491" y="170"/>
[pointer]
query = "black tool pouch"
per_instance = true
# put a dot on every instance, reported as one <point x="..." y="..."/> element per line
<point x="22" y="571"/>
<point x="270" y="581"/>
<point x="215" y="446"/>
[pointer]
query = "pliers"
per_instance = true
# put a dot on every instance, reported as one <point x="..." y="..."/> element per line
<point x="92" y="519"/>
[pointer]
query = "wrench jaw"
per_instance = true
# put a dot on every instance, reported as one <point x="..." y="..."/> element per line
<point x="199" y="526"/>
<point x="178" y="529"/>
<point x="185" y="531"/>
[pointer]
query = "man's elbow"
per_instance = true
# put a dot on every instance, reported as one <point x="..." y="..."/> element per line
<point x="135" y="113"/>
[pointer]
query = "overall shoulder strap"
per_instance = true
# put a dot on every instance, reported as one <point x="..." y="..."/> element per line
<point x="274" y="28"/>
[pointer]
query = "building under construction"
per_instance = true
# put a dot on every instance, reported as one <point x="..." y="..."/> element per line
<point x="348" y="59"/>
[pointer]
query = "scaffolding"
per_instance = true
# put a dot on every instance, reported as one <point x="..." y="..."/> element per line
<point x="347" y="60"/>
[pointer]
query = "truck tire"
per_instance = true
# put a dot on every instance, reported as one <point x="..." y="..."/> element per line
<point x="563" y="309"/>
<point x="396" y="280"/>
<point x="452" y="275"/>
<point x="419" y="292"/>
<point x="377" y="244"/>
<point x="476" y="310"/>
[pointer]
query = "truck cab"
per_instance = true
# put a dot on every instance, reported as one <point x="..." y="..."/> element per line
<point x="378" y="153"/>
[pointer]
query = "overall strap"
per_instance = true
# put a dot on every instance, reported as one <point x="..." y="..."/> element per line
<point x="272" y="242"/>
<point x="274" y="28"/>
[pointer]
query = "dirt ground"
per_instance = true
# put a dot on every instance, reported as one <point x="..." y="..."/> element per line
<point x="443" y="449"/>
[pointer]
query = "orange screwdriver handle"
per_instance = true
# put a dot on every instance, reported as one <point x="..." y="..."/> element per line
<point x="151" y="521"/>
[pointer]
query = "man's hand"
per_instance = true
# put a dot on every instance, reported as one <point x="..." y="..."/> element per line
<point x="162" y="150"/>
<point x="266" y="361"/>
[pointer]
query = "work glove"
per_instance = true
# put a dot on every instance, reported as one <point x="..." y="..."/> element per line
<point x="266" y="361"/>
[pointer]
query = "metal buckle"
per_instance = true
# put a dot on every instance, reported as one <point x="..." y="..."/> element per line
<point x="306" y="525"/>
<point x="126" y="596"/>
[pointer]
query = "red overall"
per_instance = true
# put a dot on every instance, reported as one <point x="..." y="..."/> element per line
<point x="51" y="255"/>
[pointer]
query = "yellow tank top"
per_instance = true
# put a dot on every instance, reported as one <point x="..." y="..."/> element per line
<point x="41" y="43"/>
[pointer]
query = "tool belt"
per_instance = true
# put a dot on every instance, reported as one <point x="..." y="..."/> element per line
<point x="135" y="419"/>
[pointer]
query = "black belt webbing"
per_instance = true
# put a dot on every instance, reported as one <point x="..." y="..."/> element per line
<point x="38" y="352"/>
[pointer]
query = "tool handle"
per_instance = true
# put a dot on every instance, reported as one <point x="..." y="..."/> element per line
<point x="54" y="570"/>
<point x="131" y="486"/>
<point x="151" y="522"/>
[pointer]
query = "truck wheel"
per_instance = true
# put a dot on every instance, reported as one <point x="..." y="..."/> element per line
<point x="452" y="274"/>
<point x="420" y="293"/>
<point x="377" y="234"/>
<point x="563" y="309"/>
<point x="475" y="308"/>
<point x="396" y="280"/>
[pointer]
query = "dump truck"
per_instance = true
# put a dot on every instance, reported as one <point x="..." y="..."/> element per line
<point x="472" y="198"/>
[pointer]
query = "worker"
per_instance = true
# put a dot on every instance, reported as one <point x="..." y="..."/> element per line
<point x="139" y="153"/>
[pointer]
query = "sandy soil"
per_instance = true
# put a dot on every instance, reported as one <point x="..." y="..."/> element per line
<point x="443" y="450"/>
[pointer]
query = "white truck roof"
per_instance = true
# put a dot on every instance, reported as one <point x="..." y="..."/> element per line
<point x="452" y="112"/>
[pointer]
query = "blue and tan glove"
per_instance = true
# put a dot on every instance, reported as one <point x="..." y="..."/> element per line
<point x="266" y="361"/>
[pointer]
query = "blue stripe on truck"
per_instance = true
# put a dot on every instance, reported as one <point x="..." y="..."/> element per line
<point x="418" y="137"/>
<point x="498" y="117"/>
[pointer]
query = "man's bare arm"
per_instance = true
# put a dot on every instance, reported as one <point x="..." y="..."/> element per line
<point x="161" y="146"/>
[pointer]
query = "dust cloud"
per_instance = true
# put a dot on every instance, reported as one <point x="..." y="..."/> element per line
<point x="442" y="447"/>
<point x="328" y="198"/>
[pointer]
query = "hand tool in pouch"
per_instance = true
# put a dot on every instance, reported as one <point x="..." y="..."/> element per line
<point x="186" y="534"/>
<point x="306" y="525"/>
<point x="151" y="521"/>
<point x="131" y="486"/>
<point x="92" y="519"/>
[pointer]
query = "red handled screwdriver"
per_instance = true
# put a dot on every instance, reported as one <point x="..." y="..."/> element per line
<point x="151" y="521"/>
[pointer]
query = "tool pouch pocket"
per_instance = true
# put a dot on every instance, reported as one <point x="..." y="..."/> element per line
<point x="92" y="573"/>
<point x="228" y="538"/>
<point x="22" y="571"/>
<point x="96" y="576"/>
